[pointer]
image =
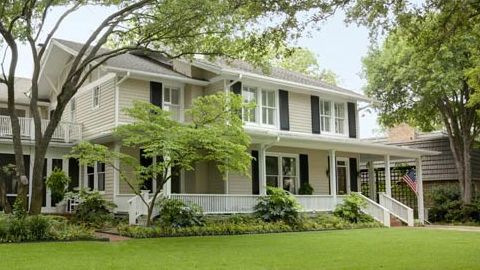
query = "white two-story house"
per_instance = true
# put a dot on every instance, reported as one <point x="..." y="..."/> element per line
<point x="303" y="130"/>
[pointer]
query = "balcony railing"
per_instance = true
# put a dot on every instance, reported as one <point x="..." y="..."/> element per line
<point x="65" y="132"/>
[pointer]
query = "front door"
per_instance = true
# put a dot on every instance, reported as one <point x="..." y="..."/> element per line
<point x="343" y="185"/>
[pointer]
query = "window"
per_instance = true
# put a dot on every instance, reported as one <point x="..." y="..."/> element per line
<point x="325" y="116"/>
<point x="339" y="118"/>
<point x="96" y="97"/>
<point x="332" y="120"/>
<point x="281" y="171"/>
<point x="250" y="95"/>
<point x="18" y="112"/>
<point x="171" y="101"/>
<point x="96" y="176"/>
<point x="265" y="111"/>
<point x="73" y="106"/>
<point x="268" y="107"/>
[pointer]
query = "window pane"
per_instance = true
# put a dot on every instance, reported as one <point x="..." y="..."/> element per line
<point x="101" y="182"/>
<point x="166" y="94"/>
<point x="272" y="181"/>
<point x="289" y="166"/>
<point x="175" y="98"/>
<point x="327" y="109"/>
<point x="174" y="112"/>
<point x="271" y="117"/>
<point x="271" y="164"/>
<point x="271" y="99"/>
<point x="91" y="181"/>
<point x="264" y="113"/>
<point x="101" y="167"/>
<point x="90" y="170"/>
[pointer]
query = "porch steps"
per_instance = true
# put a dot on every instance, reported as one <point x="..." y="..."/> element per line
<point x="395" y="222"/>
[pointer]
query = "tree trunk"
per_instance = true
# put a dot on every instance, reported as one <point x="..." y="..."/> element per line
<point x="3" y="198"/>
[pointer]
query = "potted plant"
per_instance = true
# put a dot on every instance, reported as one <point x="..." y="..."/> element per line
<point x="305" y="189"/>
<point x="58" y="182"/>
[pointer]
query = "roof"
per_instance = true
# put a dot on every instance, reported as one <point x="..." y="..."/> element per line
<point x="130" y="61"/>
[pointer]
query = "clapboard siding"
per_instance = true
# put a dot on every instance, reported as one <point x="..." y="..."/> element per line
<point x="239" y="184"/>
<point x="215" y="181"/>
<point x="123" y="187"/>
<point x="129" y="91"/>
<point x="214" y="88"/>
<point x="99" y="119"/>
<point x="300" y="115"/>
<point x="109" y="180"/>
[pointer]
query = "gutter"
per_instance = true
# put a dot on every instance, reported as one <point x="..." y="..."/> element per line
<point x="159" y="76"/>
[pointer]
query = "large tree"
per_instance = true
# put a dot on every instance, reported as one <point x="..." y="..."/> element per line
<point x="215" y="133"/>
<point x="241" y="29"/>
<point x="426" y="73"/>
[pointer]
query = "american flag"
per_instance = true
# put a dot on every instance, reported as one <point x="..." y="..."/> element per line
<point x="411" y="180"/>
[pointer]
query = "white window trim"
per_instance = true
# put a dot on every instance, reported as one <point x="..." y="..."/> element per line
<point x="182" y="99"/>
<point x="73" y="109"/>
<point x="94" y="107"/>
<point x="258" y="108"/>
<point x="95" y="177"/>
<point x="280" y="155"/>
<point x="333" y="117"/>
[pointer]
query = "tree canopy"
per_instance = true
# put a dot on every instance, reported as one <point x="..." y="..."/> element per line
<point x="425" y="72"/>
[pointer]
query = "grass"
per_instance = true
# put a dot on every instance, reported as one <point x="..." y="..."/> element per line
<point x="349" y="249"/>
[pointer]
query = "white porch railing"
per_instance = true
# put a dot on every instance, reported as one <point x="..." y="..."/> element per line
<point x="398" y="209"/>
<point x="137" y="208"/>
<point x="220" y="203"/>
<point x="378" y="212"/>
<point x="65" y="132"/>
<point x="234" y="204"/>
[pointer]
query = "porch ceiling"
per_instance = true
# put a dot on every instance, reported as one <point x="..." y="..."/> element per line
<point x="367" y="149"/>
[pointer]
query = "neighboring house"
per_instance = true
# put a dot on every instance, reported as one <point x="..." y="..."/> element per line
<point x="300" y="129"/>
<point x="437" y="169"/>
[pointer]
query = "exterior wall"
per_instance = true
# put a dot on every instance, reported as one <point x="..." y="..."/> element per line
<point x="216" y="183"/>
<point x="123" y="187"/>
<point x="96" y="120"/>
<point x="191" y="93"/>
<point x="129" y="91"/>
<point x="214" y="88"/>
<point x="401" y="133"/>
<point x="182" y="67"/>
<point x="109" y="179"/>
<point x="300" y="112"/>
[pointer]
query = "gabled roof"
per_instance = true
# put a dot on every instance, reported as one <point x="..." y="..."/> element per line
<point x="129" y="61"/>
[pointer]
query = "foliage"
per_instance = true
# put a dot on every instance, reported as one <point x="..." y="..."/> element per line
<point x="93" y="210"/>
<point x="306" y="62"/>
<point x="277" y="206"/>
<point x="177" y="214"/>
<point x="305" y="189"/>
<point x="350" y="210"/>
<point x="215" y="133"/>
<point x="57" y="182"/>
<point x="244" y="224"/>
<point x="447" y="206"/>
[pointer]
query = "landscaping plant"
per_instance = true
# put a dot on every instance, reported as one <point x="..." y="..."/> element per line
<point x="277" y="206"/>
<point x="177" y="214"/>
<point x="93" y="210"/>
<point x="350" y="210"/>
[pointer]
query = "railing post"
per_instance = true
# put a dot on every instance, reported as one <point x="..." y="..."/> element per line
<point x="66" y="130"/>
<point x="132" y="215"/>
<point x="386" y="217"/>
<point x="32" y="129"/>
<point x="410" y="218"/>
<point x="146" y="197"/>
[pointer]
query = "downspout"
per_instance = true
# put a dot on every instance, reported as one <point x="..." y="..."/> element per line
<point x="227" y="89"/>
<point x="261" y="163"/>
<point x="117" y="96"/>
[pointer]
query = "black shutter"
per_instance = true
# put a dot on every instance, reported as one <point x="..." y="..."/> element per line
<point x="352" y="120"/>
<point x="236" y="88"/>
<point x="315" y="106"/>
<point x="328" y="178"/>
<point x="353" y="175"/>
<point x="284" y="111"/>
<point x="255" y="174"/>
<point x="145" y="162"/>
<point x="303" y="169"/>
<point x="156" y="94"/>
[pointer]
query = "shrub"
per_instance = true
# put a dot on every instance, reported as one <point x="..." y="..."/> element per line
<point x="31" y="228"/>
<point x="57" y="182"/>
<point x="277" y="206"/>
<point x="305" y="189"/>
<point x="93" y="210"/>
<point x="177" y="214"/>
<point x="350" y="210"/>
<point x="446" y="204"/>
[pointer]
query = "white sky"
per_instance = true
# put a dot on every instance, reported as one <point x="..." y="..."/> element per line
<point x="339" y="48"/>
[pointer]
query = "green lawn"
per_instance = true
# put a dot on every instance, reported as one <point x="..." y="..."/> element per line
<point x="351" y="249"/>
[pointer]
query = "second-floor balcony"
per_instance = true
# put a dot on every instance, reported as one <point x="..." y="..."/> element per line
<point x="65" y="132"/>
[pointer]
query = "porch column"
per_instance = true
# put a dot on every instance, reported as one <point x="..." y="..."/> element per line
<point x="419" y="178"/>
<point x="388" y="181"/>
<point x="30" y="185"/>
<point x="333" y="177"/>
<point x="48" y="199"/>
<point x="262" y="170"/>
<point x="371" y="180"/>
<point x="167" y="187"/>
<point x="116" y="174"/>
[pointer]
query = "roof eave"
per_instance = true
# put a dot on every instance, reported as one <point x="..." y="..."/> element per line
<point x="158" y="76"/>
